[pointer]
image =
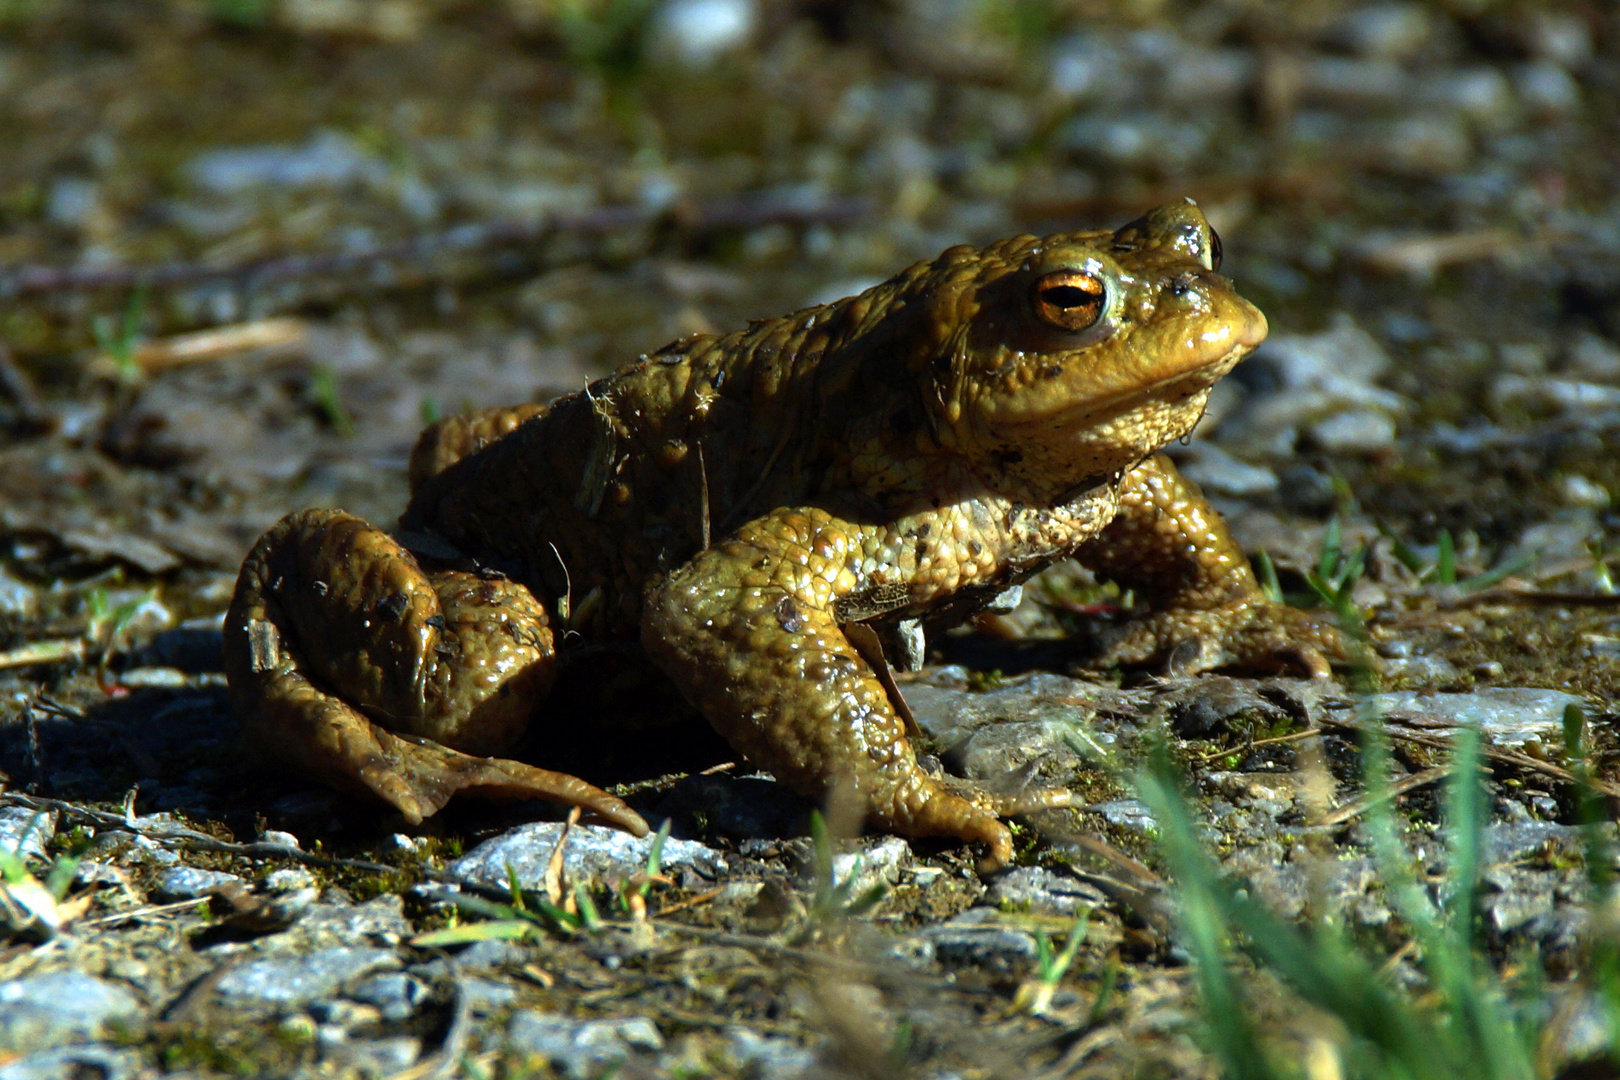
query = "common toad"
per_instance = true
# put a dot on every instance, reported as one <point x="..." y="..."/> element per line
<point x="741" y="505"/>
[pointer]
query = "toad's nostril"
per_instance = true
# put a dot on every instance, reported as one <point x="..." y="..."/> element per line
<point x="1183" y="283"/>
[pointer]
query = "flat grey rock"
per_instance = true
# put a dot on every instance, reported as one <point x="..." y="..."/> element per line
<point x="878" y="862"/>
<point x="1507" y="716"/>
<point x="1127" y="814"/>
<point x="769" y="1057"/>
<point x="494" y="953"/>
<point x="593" y="853"/>
<point x="1220" y="473"/>
<point x="981" y="937"/>
<point x="581" y="1049"/>
<point x="1038" y="891"/>
<point x="286" y="983"/>
<point x="188" y="882"/>
<point x="380" y="921"/>
<point x="393" y="993"/>
<point x="61" y="1007"/>
<point x="1025" y="724"/>
<point x="74" y="1063"/>
<point x="375" y="1057"/>
<point x="25" y="831"/>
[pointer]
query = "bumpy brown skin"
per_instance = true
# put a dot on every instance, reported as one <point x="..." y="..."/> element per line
<point x="734" y="503"/>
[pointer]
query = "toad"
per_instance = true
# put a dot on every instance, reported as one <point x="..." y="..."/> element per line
<point x="754" y="513"/>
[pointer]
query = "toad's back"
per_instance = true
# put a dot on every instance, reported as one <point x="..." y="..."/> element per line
<point x="601" y="491"/>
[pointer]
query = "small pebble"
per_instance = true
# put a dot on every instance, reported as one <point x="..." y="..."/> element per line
<point x="699" y="32"/>
<point x="26" y="832"/>
<point x="188" y="882"/>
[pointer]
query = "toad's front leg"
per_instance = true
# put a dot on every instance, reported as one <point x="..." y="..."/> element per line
<point x="747" y="631"/>
<point x="1207" y="610"/>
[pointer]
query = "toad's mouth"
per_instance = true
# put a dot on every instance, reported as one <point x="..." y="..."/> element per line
<point x="1166" y="392"/>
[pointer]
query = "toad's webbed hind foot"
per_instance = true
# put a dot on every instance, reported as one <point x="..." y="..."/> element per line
<point x="330" y="741"/>
<point x="349" y="662"/>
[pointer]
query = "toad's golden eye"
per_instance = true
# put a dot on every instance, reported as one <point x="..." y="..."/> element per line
<point x="1214" y="250"/>
<point x="1069" y="299"/>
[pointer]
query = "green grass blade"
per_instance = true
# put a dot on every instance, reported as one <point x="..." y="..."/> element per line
<point x="471" y="933"/>
<point x="1229" y="1031"/>
<point x="1445" y="559"/>
<point x="1505" y="569"/>
<point x="1266" y="571"/>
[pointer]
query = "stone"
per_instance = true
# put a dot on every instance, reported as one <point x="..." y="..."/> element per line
<point x="1507" y="716"/>
<point x="979" y="937"/>
<point x="1311" y="378"/>
<point x="699" y="32"/>
<point x="286" y="983"/>
<point x="75" y="1063"/>
<point x="62" y="1007"/>
<point x="1541" y="393"/>
<point x="1036" y="890"/>
<point x="1220" y="473"/>
<point x="769" y="1057"/>
<point x="1389" y="30"/>
<point x="393" y="993"/>
<point x="494" y="953"/>
<point x="18" y="599"/>
<point x="1023" y="723"/>
<point x="1126" y="813"/>
<point x="484" y="996"/>
<point x="327" y="159"/>
<point x="1355" y="431"/>
<point x="1481" y="93"/>
<point x="1547" y="88"/>
<point x="188" y="882"/>
<point x="380" y="921"/>
<point x="26" y="832"/>
<point x="878" y="863"/>
<point x="1506" y="842"/>
<point x="1510" y="910"/>
<point x="1352" y="83"/>
<point x="580" y="1049"/>
<point x="1594" y="357"/>
<point x="593" y="852"/>
<point x="375" y="1057"/>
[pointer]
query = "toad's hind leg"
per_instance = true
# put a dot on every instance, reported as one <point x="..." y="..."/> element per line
<point x="348" y="661"/>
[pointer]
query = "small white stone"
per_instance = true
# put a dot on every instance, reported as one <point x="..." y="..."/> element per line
<point x="698" y="32"/>
<point x="289" y="880"/>
<point x="1358" y="431"/>
<point x="1577" y="490"/>
<point x="1594" y="356"/>
<point x="1547" y="88"/>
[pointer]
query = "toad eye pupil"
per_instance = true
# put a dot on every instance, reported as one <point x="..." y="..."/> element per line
<point x="1067" y="296"/>
<point x="1214" y="250"/>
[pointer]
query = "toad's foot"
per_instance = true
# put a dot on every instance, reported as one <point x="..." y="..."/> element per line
<point x="1169" y="545"/>
<point x="1259" y="635"/>
<point x="747" y="631"/>
<point x="332" y="742"/>
<point x="348" y="661"/>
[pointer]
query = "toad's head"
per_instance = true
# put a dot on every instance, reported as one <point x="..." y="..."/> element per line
<point x="1076" y="355"/>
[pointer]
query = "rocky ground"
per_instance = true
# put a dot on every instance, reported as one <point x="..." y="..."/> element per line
<point x="363" y="215"/>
